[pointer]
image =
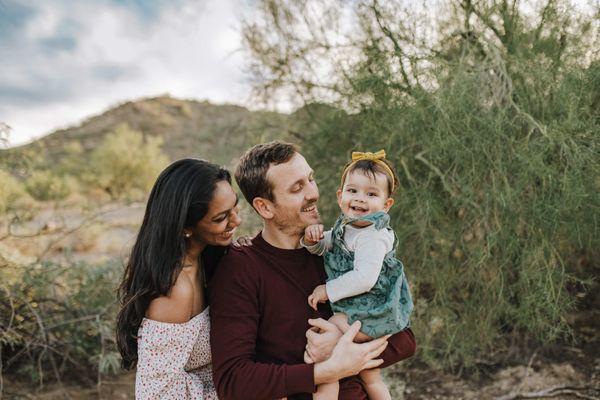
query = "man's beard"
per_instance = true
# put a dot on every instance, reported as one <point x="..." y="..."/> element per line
<point x="291" y="223"/>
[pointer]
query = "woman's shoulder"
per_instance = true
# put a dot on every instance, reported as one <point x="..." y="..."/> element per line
<point x="177" y="306"/>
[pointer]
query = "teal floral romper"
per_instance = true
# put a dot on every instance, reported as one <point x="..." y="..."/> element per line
<point x="386" y="308"/>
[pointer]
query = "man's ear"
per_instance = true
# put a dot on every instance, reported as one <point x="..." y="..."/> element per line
<point x="263" y="207"/>
<point x="388" y="204"/>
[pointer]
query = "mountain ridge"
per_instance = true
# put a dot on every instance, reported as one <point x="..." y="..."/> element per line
<point x="189" y="128"/>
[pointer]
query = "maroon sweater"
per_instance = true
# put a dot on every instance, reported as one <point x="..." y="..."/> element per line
<point x="259" y="317"/>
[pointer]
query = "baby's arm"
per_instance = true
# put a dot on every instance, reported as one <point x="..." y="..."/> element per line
<point x="370" y="250"/>
<point x="315" y="240"/>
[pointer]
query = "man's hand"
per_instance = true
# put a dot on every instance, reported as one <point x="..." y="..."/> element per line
<point x="349" y="358"/>
<point x="319" y="295"/>
<point x="321" y="339"/>
<point x="312" y="234"/>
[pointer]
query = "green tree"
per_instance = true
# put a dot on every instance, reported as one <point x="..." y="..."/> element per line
<point x="126" y="162"/>
<point x="490" y="111"/>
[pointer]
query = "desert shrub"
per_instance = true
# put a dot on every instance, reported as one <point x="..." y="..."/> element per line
<point x="72" y="161"/>
<point x="10" y="191"/>
<point x="490" y="217"/>
<point x="58" y="321"/>
<point x="490" y="115"/>
<point x="126" y="164"/>
<point x="46" y="185"/>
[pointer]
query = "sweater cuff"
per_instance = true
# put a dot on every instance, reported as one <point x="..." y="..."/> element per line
<point x="300" y="378"/>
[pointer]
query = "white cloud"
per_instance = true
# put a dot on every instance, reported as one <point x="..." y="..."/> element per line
<point x="98" y="54"/>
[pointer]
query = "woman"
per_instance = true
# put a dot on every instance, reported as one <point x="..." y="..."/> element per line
<point x="163" y="325"/>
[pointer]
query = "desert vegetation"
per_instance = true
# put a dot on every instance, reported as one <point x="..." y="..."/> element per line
<point x="482" y="108"/>
<point x="490" y="111"/>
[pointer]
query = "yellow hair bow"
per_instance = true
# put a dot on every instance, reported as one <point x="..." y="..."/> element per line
<point x="359" y="155"/>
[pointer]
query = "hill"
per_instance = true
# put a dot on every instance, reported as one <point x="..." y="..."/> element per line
<point x="189" y="128"/>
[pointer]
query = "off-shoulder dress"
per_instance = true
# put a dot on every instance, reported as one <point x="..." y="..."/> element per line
<point x="174" y="360"/>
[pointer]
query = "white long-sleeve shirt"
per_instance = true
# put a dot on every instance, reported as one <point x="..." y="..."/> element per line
<point x="369" y="246"/>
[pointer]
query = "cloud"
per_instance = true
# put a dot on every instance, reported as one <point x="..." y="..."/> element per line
<point x="61" y="61"/>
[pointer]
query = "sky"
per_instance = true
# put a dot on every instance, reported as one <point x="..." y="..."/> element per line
<point x="62" y="61"/>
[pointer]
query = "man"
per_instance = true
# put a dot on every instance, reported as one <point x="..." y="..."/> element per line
<point x="258" y="296"/>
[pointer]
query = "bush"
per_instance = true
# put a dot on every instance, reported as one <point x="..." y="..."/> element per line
<point x="125" y="163"/>
<point x="58" y="321"/>
<point x="10" y="191"/>
<point x="491" y="214"/>
<point x="491" y="117"/>
<point x="45" y="186"/>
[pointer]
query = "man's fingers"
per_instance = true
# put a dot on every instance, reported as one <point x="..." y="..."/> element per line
<point x="311" y="335"/>
<point x="373" y="363"/>
<point x="351" y="332"/>
<point x="377" y="352"/>
<point x="322" y="324"/>
<point x="376" y="343"/>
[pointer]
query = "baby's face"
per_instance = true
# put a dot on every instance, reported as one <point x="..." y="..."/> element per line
<point x="363" y="194"/>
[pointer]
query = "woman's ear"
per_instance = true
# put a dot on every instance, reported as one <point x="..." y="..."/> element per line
<point x="388" y="204"/>
<point x="263" y="207"/>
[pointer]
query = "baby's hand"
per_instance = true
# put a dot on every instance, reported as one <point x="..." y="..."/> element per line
<point x="319" y="295"/>
<point x="242" y="241"/>
<point x="313" y="233"/>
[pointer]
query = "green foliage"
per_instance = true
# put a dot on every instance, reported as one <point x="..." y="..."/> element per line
<point x="10" y="191"/>
<point x="46" y="185"/>
<point x="58" y="321"/>
<point x="125" y="162"/>
<point x="493" y="129"/>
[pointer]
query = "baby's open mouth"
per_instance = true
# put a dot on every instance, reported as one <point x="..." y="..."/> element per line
<point x="358" y="209"/>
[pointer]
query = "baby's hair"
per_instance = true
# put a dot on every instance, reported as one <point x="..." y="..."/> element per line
<point x="370" y="168"/>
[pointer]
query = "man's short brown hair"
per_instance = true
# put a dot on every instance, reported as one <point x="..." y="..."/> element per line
<point x="251" y="172"/>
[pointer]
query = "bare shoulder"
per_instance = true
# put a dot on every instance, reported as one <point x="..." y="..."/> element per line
<point x="177" y="307"/>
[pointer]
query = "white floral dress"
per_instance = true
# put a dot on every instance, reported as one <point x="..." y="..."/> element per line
<point x="174" y="360"/>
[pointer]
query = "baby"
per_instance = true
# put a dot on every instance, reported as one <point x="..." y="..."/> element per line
<point x="366" y="282"/>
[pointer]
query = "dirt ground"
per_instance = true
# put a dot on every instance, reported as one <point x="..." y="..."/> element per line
<point x="565" y="371"/>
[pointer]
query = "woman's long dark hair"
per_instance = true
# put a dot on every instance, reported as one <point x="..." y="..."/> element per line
<point x="179" y="199"/>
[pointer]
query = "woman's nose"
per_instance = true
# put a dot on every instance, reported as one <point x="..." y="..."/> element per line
<point x="235" y="218"/>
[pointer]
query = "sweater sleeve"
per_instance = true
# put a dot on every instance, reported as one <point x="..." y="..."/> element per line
<point x="400" y="346"/>
<point x="235" y="320"/>
<point x="321" y="247"/>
